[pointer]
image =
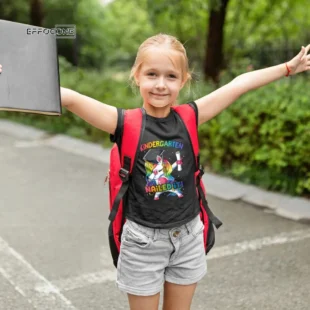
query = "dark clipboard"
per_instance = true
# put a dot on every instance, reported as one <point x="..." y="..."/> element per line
<point x="30" y="80"/>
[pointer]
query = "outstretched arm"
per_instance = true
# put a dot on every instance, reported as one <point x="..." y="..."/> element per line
<point x="96" y="113"/>
<point x="99" y="115"/>
<point x="211" y="105"/>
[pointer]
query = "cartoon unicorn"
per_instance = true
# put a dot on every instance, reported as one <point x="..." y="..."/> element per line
<point x="160" y="173"/>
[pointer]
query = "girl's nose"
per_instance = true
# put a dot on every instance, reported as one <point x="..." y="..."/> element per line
<point x="161" y="83"/>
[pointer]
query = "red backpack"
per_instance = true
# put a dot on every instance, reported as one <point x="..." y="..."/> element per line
<point x="121" y="165"/>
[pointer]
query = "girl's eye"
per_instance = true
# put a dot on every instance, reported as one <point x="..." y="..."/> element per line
<point x="172" y="76"/>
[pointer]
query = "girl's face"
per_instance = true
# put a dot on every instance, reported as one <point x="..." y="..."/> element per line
<point x="160" y="80"/>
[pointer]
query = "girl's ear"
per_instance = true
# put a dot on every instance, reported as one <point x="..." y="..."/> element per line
<point x="183" y="83"/>
<point x="136" y="77"/>
<point x="187" y="79"/>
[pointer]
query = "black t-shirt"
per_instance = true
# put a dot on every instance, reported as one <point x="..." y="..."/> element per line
<point x="162" y="191"/>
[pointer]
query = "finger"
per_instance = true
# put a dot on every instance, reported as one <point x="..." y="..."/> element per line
<point x="307" y="48"/>
<point x="303" y="53"/>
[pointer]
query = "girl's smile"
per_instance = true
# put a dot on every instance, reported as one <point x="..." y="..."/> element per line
<point x="159" y="95"/>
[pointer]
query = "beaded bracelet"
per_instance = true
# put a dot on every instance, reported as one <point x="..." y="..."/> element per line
<point x="288" y="70"/>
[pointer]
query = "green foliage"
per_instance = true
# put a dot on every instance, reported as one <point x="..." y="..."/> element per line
<point x="88" y="16"/>
<point x="263" y="138"/>
<point x="125" y="27"/>
<point x="189" y="24"/>
<point x="17" y="10"/>
<point x="111" y="34"/>
<point x="253" y="25"/>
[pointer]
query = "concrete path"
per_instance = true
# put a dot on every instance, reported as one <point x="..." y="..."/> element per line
<point x="53" y="234"/>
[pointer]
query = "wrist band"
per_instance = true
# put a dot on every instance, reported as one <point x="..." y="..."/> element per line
<point x="288" y="70"/>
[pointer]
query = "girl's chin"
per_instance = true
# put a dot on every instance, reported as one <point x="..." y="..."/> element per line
<point x="159" y="103"/>
<point x="160" y="106"/>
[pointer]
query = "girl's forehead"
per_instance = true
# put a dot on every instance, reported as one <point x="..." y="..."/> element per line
<point x="161" y="59"/>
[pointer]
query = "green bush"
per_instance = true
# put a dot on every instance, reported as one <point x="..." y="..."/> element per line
<point x="263" y="138"/>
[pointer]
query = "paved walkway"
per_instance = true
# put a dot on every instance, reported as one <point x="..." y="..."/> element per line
<point x="54" y="251"/>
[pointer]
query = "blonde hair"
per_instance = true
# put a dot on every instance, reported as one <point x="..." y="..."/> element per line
<point x="166" y="41"/>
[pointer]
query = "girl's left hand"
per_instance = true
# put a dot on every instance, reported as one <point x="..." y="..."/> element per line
<point x="301" y="62"/>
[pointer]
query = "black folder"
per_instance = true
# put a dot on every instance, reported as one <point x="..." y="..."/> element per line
<point x="29" y="81"/>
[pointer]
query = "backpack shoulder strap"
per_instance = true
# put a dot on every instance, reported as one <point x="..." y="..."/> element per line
<point x="190" y="120"/>
<point x="133" y="123"/>
<point x="188" y="116"/>
<point x="133" y="126"/>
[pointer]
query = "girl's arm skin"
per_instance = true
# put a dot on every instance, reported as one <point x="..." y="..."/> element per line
<point x="94" y="112"/>
<point x="211" y="105"/>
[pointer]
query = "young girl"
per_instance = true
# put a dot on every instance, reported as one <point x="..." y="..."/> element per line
<point x="162" y="240"/>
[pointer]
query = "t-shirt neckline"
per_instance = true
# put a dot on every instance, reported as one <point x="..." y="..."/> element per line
<point x="160" y="119"/>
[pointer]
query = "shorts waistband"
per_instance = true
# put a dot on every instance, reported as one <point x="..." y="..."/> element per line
<point x="156" y="233"/>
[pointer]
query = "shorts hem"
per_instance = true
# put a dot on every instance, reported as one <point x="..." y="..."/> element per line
<point x="138" y="292"/>
<point x="185" y="281"/>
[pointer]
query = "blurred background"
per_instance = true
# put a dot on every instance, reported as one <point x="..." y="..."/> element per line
<point x="262" y="139"/>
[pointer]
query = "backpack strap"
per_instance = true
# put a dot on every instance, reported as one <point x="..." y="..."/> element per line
<point x="188" y="116"/>
<point x="190" y="120"/>
<point x="133" y="125"/>
<point x="216" y="221"/>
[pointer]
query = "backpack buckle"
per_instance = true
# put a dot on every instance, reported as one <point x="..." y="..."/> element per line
<point x="123" y="174"/>
<point x="201" y="170"/>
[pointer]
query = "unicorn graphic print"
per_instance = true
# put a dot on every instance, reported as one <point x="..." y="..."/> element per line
<point x="159" y="177"/>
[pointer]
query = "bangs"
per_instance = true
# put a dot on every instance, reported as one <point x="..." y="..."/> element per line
<point x="175" y="57"/>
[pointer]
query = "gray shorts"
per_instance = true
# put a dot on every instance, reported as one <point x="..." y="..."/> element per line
<point x="149" y="257"/>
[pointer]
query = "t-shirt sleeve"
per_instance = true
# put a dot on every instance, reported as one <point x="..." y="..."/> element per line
<point x="116" y="138"/>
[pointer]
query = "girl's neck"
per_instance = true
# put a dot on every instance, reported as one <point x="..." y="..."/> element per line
<point x="157" y="112"/>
